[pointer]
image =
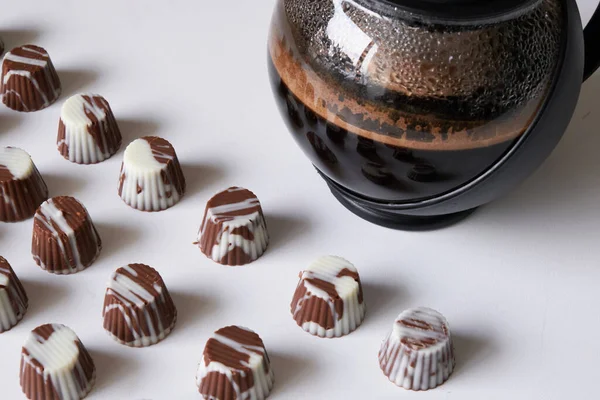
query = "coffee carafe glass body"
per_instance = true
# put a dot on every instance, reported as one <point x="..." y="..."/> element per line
<point x="399" y="108"/>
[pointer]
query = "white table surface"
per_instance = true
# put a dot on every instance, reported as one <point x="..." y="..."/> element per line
<point x="518" y="281"/>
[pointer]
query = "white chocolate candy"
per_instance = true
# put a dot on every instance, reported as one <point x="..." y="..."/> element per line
<point x="56" y="365"/>
<point x="328" y="301"/>
<point x="88" y="132"/>
<point x="22" y="188"/>
<point x="418" y="353"/>
<point x="13" y="299"/>
<point x="234" y="230"/>
<point x="151" y="178"/>
<point x="235" y="364"/>
<point x="16" y="161"/>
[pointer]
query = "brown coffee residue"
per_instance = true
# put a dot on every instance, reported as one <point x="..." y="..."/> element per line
<point x="391" y="126"/>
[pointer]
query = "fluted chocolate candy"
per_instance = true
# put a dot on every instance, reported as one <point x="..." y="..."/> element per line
<point x="13" y="299"/>
<point x="328" y="301"/>
<point x="138" y="310"/>
<point x="418" y="353"/>
<point x="233" y="231"/>
<point x="65" y="240"/>
<point x="55" y="365"/>
<point x="22" y="188"/>
<point x="234" y="366"/>
<point x="29" y="80"/>
<point x="151" y="177"/>
<point x="87" y="131"/>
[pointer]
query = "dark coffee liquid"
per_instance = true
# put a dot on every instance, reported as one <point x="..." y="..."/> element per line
<point x="374" y="169"/>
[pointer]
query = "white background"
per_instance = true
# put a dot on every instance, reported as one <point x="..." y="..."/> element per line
<point x="518" y="281"/>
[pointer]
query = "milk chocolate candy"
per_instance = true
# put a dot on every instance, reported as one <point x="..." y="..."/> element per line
<point x="29" y="80"/>
<point x="233" y="231"/>
<point x="151" y="177"/>
<point x="235" y="366"/>
<point x="55" y="365"/>
<point x="65" y="240"/>
<point x="328" y="301"/>
<point x="87" y="131"/>
<point x="13" y="299"/>
<point x="138" y="310"/>
<point x="22" y="188"/>
<point x="418" y="353"/>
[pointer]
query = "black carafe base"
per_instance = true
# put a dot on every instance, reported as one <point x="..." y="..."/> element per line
<point x="382" y="214"/>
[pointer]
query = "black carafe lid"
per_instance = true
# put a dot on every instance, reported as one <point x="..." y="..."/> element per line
<point x="461" y="11"/>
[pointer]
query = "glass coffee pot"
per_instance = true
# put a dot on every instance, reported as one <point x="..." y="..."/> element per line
<point x="416" y="112"/>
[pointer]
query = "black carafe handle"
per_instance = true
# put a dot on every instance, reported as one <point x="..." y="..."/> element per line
<point x="592" y="45"/>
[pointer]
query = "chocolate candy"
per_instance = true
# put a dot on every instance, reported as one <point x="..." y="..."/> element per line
<point x="29" y="80"/>
<point x="234" y="366"/>
<point x="418" y="353"/>
<point x="22" y="188"/>
<point x="328" y="301"/>
<point x="87" y="131"/>
<point x="65" y="240"/>
<point x="233" y="231"/>
<point x="1" y="47"/>
<point x="13" y="299"/>
<point x="138" y="310"/>
<point x="151" y="178"/>
<point x="55" y="365"/>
